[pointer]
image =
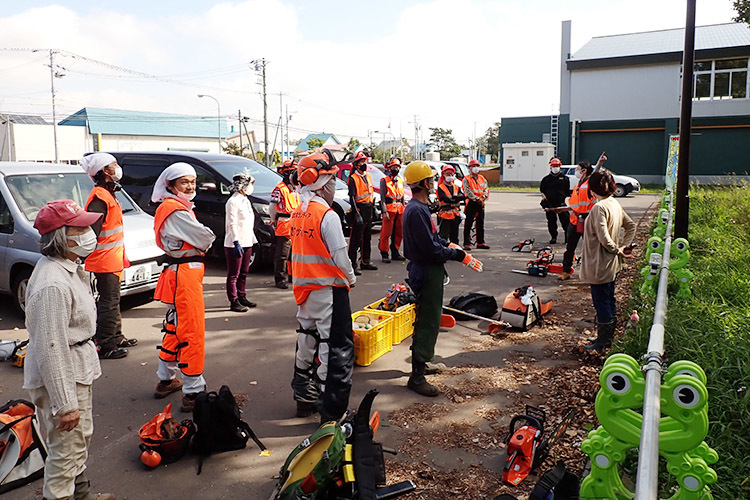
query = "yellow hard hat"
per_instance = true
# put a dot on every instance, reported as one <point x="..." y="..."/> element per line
<point x="417" y="171"/>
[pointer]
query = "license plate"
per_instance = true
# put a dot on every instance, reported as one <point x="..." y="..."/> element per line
<point x="137" y="274"/>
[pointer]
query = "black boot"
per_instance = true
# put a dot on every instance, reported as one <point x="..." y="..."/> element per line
<point x="384" y="256"/>
<point x="306" y="391"/>
<point x="605" y="333"/>
<point x="237" y="307"/>
<point x="395" y="255"/>
<point x="418" y="383"/>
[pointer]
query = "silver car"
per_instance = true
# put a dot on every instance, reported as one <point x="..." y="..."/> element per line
<point x="25" y="188"/>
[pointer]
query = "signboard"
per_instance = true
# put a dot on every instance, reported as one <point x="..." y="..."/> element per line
<point x="672" y="157"/>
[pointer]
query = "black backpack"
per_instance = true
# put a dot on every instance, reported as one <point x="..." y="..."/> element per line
<point x="474" y="303"/>
<point x="219" y="425"/>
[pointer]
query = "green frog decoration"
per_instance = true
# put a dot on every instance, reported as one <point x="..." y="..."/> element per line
<point x="682" y="429"/>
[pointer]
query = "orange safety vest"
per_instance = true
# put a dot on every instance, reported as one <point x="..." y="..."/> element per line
<point x="449" y="211"/>
<point x="313" y="267"/>
<point x="364" y="188"/>
<point x="580" y="201"/>
<point x="182" y="285"/>
<point x="394" y="196"/>
<point x="478" y="186"/>
<point x="289" y="201"/>
<point x="109" y="255"/>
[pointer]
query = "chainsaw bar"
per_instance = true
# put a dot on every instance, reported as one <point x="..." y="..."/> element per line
<point x="542" y="450"/>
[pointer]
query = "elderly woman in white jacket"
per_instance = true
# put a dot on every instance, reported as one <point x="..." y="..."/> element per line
<point x="239" y="241"/>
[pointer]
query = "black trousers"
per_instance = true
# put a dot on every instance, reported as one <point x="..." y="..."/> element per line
<point x="449" y="229"/>
<point x="281" y="256"/>
<point x="108" y="318"/>
<point x="361" y="235"/>
<point x="474" y="211"/>
<point x="552" y="222"/>
<point x="570" y="247"/>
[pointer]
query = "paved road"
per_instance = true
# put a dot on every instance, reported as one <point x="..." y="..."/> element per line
<point x="253" y="354"/>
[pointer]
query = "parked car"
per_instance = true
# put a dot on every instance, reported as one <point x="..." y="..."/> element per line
<point x="462" y="168"/>
<point x="214" y="176"/>
<point x="625" y="184"/>
<point x="25" y="188"/>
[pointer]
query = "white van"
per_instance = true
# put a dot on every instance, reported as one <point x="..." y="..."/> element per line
<point x="25" y="188"/>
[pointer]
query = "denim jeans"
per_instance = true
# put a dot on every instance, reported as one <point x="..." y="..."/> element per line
<point x="603" y="297"/>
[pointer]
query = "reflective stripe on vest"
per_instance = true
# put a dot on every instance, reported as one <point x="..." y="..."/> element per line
<point x="580" y="201"/>
<point x="478" y="186"/>
<point x="289" y="201"/>
<point x="394" y="196"/>
<point x="364" y="188"/>
<point x="167" y="208"/>
<point x="448" y="210"/>
<point x="109" y="254"/>
<point x="312" y="265"/>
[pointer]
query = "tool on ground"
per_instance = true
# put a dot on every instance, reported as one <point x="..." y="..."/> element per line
<point x="163" y="440"/>
<point x="525" y="246"/>
<point x="558" y="484"/>
<point x="340" y="460"/>
<point x="526" y="446"/>
<point x="447" y="321"/>
<point x="522" y="308"/>
<point x="495" y="326"/>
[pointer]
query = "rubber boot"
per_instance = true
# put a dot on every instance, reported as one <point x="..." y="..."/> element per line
<point x="434" y="368"/>
<point x="605" y="333"/>
<point x="306" y="392"/>
<point x="418" y="383"/>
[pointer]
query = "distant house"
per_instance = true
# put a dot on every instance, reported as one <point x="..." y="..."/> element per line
<point x="328" y="140"/>
<point x="124" y="130"/>
<point x="247" y="139"/>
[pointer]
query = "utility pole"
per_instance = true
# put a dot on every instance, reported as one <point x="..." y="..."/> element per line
<point x="288" y="117"/>
<point x="260" y="65"/>
<point x="239" y="126"/>
<point x="52" y="83"/>
<point x="682" y="200"/>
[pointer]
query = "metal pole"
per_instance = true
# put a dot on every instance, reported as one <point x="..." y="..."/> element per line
<point x="239" y="126"/>
<point x="647" y="485"/>
<point x="265" y="112"/>
<point x="286" y="110"/>
<point x="218" y="118"/>
<point x="682" y="207"/>
<point x="54" y="112"/>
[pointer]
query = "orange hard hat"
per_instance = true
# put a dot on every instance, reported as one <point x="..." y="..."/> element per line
<point x="555" y="162"/>
<point x="359" y="157"/>
<point x="287" y="166"/>
<point x="447" y="168"/>
<point x="313" y="166"/>
<point x="395" y="160"/>
<point x="474" y="163"/>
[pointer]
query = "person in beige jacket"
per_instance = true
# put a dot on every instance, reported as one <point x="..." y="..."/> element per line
<point x="603" y="253"/>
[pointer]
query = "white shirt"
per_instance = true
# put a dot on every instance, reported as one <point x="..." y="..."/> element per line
<point x="239" y="222"/>
<point x="333" y="238"/>
<point x="60" y="313"/>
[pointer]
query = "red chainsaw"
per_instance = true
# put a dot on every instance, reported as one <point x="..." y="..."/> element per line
<point x="526" y="447"/>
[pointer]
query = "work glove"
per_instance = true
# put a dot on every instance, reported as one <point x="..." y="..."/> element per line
<point x="238" y="251"/>
<point x="472" y="263"/>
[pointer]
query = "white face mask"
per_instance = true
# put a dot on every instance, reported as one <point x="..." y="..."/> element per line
<point x="186" y="196"/>
<point x="450" y="178"/>
<point x="86" y="243"/>
<point x="578" y="174"/>
<point x="118" y="174"/>
<point x="249" y="189"/>
<point x="474" y="170"/>
<point x="555" y="170"/>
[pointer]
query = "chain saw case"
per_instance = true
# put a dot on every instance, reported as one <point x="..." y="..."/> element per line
<point x="521" y="315"/>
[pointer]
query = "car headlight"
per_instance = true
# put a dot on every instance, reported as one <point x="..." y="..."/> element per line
<point x="261" y="209"/>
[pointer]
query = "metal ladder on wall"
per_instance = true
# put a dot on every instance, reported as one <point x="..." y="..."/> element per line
<point x="553" y="130"/>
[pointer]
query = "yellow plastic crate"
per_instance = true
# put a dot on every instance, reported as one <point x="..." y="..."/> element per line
<point x="403" y="320"/>
<point x="370" y="344"/>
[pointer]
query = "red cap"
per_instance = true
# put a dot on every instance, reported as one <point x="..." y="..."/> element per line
<point x="59" y="213"/>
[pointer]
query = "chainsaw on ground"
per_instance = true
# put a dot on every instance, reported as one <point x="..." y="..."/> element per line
<point x="526" y="447"/>
<point x="542" y="265"/>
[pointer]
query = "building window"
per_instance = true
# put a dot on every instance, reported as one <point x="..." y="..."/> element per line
<point x="540" y="153"/>
<point x="524" y="153"/>
<point x="721" y="79"/>
<point x="510" y="161"/>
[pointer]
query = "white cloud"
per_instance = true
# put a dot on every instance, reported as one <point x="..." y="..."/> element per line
<point x="452" y="63"/>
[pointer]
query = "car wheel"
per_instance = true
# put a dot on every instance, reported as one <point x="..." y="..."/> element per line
<point x="620" y="191"/>
<point x="255" y="259"/>
<point x="20" y="283"/>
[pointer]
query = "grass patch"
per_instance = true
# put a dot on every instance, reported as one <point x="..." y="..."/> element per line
<point x="713" y="327"/>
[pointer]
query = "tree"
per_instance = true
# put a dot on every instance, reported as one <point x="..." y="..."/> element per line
<point x="315" y="142"/>
<point x="234" y="149"/>
<point x="445" y="143"/>
<point x="353" y="144"/>
<point x="276" y="157"/>
<point x="489" y="143"/>
<point x="742" y="7"/>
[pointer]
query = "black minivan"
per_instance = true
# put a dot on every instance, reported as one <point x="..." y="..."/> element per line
<point x="214" y="176"/>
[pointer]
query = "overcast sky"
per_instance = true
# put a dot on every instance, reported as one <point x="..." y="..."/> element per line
<point x="346" y="67"/>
